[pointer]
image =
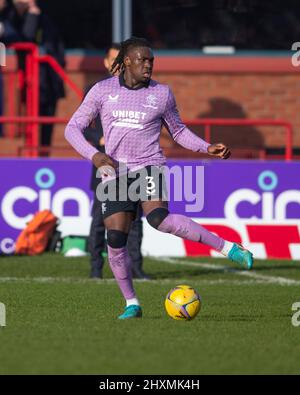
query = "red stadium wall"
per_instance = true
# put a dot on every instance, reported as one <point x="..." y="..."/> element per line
<point x="264" y="87"/>
<point x="229" y="87"/>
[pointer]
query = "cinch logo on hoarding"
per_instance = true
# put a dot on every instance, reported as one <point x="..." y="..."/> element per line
<point x="45" y="199"/>
<point x="261" y="210"/>
<point x="271" y="208"/>
<point x="270" y="234"/>
<point x="7" y="245"/>
<point x="39" y="198"/>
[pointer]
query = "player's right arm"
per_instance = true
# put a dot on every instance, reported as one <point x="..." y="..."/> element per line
<point x="81" y="119"/>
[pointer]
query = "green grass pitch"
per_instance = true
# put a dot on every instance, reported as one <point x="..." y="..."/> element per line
<point x="58" y="321"/>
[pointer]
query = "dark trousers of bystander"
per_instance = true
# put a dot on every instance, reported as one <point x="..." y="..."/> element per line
<point x="47" y="109"/>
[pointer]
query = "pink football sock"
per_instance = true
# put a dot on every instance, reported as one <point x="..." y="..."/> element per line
<point x="182" y="226"/>
<point x="121" y="267"/>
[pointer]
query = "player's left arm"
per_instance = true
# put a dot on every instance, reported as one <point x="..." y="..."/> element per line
<point x="185" y="137"/>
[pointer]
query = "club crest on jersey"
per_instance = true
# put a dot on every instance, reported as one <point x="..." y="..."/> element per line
<point x="113" y="99"/>
<point x="151" y="102"/>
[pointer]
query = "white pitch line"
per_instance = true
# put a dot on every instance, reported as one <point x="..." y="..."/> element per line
<point x="70" y="280"/>
<point x="219" y="268"/>
<point x="271" y="279"/>
<point x="256" y="277"/>
<point x="222" y="268"/>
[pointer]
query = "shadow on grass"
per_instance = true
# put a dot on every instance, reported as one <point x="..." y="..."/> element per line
<point x="182" y="274"/>
<point x="264" y="267"/>
<point x="225" y="266"/>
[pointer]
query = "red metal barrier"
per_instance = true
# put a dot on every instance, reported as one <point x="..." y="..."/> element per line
<point x="207" y="123"/>
<point x="11" y="104"/>
<point x="32" y="62"/>
<point x="32" y="89"/>
<point x="60" y="71"/>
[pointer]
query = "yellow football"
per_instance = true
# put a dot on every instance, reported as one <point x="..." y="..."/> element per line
<point x="183" y="303"/>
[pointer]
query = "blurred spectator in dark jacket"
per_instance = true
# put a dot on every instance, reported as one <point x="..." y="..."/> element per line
<point x="35" y="26"/>
<point x="7" y="35"/>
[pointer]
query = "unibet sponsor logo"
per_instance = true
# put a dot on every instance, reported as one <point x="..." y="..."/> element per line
<point x="128" y="119"/>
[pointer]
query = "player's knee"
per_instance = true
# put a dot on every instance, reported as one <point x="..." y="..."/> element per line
<point x="116" y="238"/>
<point x="156" y="216"/>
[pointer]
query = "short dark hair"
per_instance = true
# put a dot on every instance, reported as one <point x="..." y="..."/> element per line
<point x="125" y="46"/>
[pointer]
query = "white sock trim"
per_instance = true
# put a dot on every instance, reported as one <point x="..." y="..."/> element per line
<point x="227" y="247"/>
<point x="133" y="301"/>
